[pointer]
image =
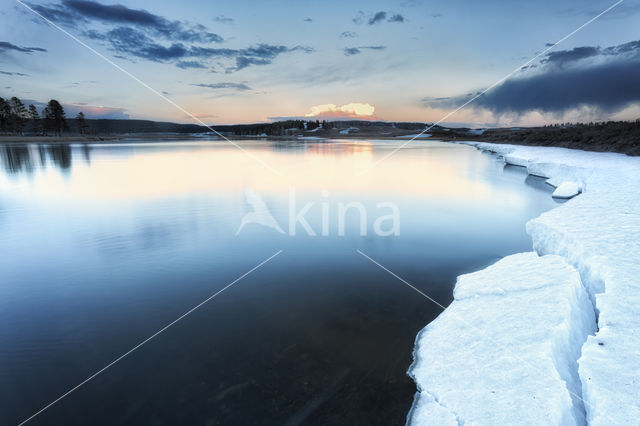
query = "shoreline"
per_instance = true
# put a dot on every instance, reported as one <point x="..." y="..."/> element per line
<point x="591" y="348"/>
<point x="627" y="149"/>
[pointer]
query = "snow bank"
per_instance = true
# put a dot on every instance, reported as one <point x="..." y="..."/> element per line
<point x="566" y="190"/>
<point x="417" y="135"/>
<point x="598" y="233"/>
<point x="489" y="358"/>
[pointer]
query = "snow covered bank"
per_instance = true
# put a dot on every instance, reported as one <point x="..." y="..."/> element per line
<point x="516" y="328"/>
<point x="489" y="358"/>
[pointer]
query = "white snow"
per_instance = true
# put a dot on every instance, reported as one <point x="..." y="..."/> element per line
<point x="531" y="309"/>
<point x="476" y="131"/>
<point x="417" y="135"/>
<point x="349" y="130"/>
<point x="490" y="359"/>
<point x="566" y="189"/>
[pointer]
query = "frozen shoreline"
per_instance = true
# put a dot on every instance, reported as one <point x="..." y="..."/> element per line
<point x="518" y="343"/>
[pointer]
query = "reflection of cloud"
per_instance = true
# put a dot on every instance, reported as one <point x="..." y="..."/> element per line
<point x="352" y="110"/>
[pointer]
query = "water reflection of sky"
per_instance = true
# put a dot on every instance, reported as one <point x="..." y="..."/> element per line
<point x="103" y="245"/>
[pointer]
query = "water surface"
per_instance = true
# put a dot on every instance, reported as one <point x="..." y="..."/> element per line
<point x="103" y="245"/>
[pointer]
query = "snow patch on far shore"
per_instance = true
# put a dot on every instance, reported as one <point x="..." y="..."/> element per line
<point x="417" y="135"/>
<point x="349" y="130"/>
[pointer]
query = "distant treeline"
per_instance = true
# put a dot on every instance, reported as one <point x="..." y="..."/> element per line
<point x="283" y="128"/>
<point x="16" y="118"/>
<point x="617" y="136"/>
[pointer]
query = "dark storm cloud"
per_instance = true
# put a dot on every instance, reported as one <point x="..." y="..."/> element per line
<point x="241" y="87"/>
<point x="6" y="46"/>
<point x="606" y="79"/>
<point x="565" y="57"/>
<point x="350" y="51"/>
<point x="609" y="87"/>
<point x="632" y="48"/>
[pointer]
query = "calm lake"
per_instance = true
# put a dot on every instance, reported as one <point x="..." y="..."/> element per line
<point x="103" y="245"/>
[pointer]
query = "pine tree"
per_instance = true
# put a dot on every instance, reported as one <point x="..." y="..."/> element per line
<point x="19" y="114"/>
<point x="5" y="115"/>
<point x="54" y="117"/>
<point x="82" y="123"/>
<point x="35" y="119"/>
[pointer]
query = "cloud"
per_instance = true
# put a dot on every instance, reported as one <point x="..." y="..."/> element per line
<point x="6" y="46"/>
<point x="348" y="34"/>
<point x="350" y="51"/>
<point x="606" y="80"/>
<point x="72" y="12"/>
<point x="352" y="110"/>
<point x="136" y="43"/>
<point x="241" y="87"/>
<point x="396" y="18"/>
<point x="377" y="17"/>
<point x="90" y="111"/>
<point x="137" y="33"/>
<point x="190" y="64"/>
<point x="565" y="57"/>
<point x="13" y="73"/>
<point x="97" y="112"/>
<point x="223" y="19"/>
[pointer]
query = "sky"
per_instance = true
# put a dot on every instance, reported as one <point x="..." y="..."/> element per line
<point x="245" y="61"/>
